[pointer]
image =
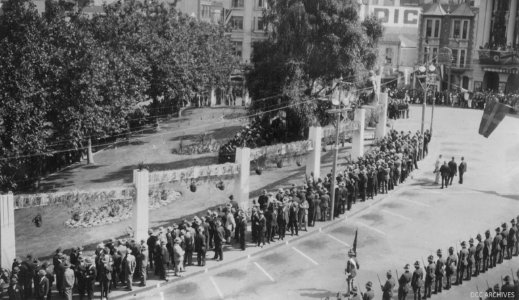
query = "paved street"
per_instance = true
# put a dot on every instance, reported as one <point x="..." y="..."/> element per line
<point x="405" y="226"/>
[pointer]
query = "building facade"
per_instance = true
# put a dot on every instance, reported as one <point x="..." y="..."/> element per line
<point x="245" y="17"/>
<point x="398" y="48"/>
<point x="449" y="27"/>
<point x="496" y="63"/>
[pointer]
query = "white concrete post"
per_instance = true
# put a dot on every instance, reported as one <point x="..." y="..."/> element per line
<point x="357" y="141"/>
<point x="241" y="187"/>
<point x="313" y="158"/>
<point x="382" y="117"/>
<point x="7" y="237"/>
<point x="141" y="213"/>
<point x="213" y="98"/>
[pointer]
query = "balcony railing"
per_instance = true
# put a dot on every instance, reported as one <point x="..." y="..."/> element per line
<point x="498" y="57"/>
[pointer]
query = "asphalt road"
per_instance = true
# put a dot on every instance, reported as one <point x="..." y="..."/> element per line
<point x="405" y="226"/>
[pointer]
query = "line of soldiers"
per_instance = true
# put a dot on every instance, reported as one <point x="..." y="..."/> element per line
<point x="470" y="261"/>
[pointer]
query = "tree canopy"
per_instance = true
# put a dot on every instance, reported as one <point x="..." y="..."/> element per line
<point x="310" y="44"/>
<point x="67" y="77"/>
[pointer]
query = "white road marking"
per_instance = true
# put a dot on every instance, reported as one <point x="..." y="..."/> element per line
<point x="372" y="228"/>
<point x="336" y="239"/>
<point x="306" y="256"/>
<point x="397" y="215"/>
<point x="415" y="202"/>
<point x="264" y="272"/>
<point x="216" y="287"/>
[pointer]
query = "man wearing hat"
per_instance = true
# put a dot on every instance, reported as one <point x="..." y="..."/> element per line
<point x="178" y="257"/>
<point x="451" y="267"/>
<point x="487" y="251"/>
<point x="263" y="200"/>
<point x="387" y="288"/>
<point x="151" y="242"/>
<point x="463" y="263"/>
<point x="354" y="295"/>
<point x="478" y="255"/>
<point x="68" y="280"/>
<point x="439" y="272"/>
<point x="471" y="259"/>
<point x="43" y="286"/>
<point x="351" y="269"/>
<point x="512" y="238"/>
<point x="496" y="247"/>
<point x="508" y="288"/>
<point x="404" y="283"/>
<point x="517" y="237"/>
<point x="369" y="294"/>
<point x="89" y="275"/>
<point x="417" y="281"/>
<point x="219" y="239"/>
<point x="129" y="265"/>
<point x="143" y="261"/>
<point x="430" y="277"/>
<point x="504" y="243"/>
<point x="200" y="247"/>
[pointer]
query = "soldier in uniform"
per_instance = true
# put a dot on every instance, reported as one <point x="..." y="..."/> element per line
<point x="351" y="269"/>
<point x="496" y="247"/>
<point x="512" y="238"/>
<point x="440" y="272"/>
<point x="404" y="283"/>
<point x="417" y="281"/>
<point x="387" y="288"/>
<point x="452" y="265"/>
<point x="430" y="277"/>
<point x="471" y="258"/>
<point x="369" y="294"/>
<point x="463" y="263"/>
<point x="478" y="255"/>
<point x="504" y="243"/>
<point x="487" y="251"/>
<point x="517" y="238"/>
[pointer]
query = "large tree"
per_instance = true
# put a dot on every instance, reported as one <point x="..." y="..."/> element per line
<point x="310" y="44"/>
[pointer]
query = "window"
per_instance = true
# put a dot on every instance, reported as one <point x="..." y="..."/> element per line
<point x="237" y="3"/>
<point x="460" y="29"/>
<point x="260" y="25"/>
<point x="261" y="3"/>
<point x="206" y="11"/>
<point x="237" y="48"/>
<point x="434" y="55"/>
<point x="432" y="28"/>
<point x="456" y="29"/>
<point x="462" y="58"/>
<point x="236" y="23"/>
<point x="437" y="28"/>
<point x="465" y="30"/>
<point x="425" y="55"/>
<point x="389" y="55"/>
<point x="465" y="83"/>
<point x="428" y="28"/>
<point x="455" y="57"/>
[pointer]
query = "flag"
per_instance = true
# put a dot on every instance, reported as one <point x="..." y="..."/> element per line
<point x="493" y="114"/>
<point x="355" y="242"/>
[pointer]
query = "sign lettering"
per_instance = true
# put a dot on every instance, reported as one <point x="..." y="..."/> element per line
<point x="397" y="16"/>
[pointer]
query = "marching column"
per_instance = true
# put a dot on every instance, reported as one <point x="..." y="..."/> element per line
<point x="141" y="214"/>
<point x="357" y="141"/>
<point x="313" y="158"/>
<point x="382" y="117"/>
<point x="7" y="238"/>
<point x="241" y="187"/>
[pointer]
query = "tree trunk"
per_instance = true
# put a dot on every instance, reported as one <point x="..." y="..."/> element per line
<point x="90" y="155"/>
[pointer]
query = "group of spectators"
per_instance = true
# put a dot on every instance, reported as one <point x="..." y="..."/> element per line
<point x="118" y="263"/>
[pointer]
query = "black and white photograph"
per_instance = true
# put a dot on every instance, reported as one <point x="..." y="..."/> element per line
<point x="259" y="149"/>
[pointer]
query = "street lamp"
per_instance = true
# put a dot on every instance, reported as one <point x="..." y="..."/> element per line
<point x="337" y="112"/>
<point x="423" y="69"/>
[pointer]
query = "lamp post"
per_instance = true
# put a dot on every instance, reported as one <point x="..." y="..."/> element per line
<point x="337" y="112"/>
<point x="431" y="68"/>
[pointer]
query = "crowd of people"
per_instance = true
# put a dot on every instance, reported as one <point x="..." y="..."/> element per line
<point x="118" y="263"/>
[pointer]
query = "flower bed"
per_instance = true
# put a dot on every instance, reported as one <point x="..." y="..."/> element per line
<point x="85" y="215"/>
